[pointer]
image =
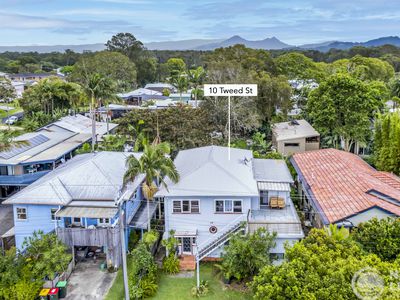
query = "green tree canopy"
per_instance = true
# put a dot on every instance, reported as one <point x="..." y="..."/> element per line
<point x="381" y="237"/>
<point x="342" y="106"/>
<point x="321" y="267"/>
<point x="387" y="142"/>
<point x="113" y="65"/>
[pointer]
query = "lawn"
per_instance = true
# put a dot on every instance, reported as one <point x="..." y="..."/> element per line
<point x="170" y="287"/>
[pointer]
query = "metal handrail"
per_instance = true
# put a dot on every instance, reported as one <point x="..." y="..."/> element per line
<point x="222" y="231"/>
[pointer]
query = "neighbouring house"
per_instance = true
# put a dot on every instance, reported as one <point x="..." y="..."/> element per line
<point x="338" y="187"/>
<point x="160" y="87"/>
<point x="31" y="76"/>
<point x="78" y="202"/>
<point x="46" y="149"/>
<point x="295" y="136"/>
<point x="217" y="194"/>
<point x="184" y="97"/>
<point x="19" y="88"/>
<point x="140" y="96"/>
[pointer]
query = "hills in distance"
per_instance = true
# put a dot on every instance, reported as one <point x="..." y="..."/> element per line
<point x="272" y="43"/>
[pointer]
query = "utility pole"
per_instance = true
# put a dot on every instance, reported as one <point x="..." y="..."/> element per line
<point x="123" y="247"/>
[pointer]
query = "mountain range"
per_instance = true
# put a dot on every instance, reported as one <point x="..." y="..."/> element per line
<point x="211" y="44"/>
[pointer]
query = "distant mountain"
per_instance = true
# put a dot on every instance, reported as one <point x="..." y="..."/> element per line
<point x="324" y="47"/>
<point x="268" y="43"/>
<point x="180" y="45"/>
<point x="211" y="44"/>
<point x="55" y="48"/>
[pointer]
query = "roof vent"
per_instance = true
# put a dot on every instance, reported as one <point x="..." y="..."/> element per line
<point x="293" y="122"/>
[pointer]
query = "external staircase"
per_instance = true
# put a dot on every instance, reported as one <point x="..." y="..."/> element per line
<point x="221" y="238"/>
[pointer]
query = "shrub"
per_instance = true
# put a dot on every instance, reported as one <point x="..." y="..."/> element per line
<point x="134" y="238"/>
<point x="246" y="255"/>
<point x="143" y="273"/>
<point x="149" y="238"/>
<point x="171" y="264"/>
<point x="381" y="237"/>
<point x="202" y="290"/>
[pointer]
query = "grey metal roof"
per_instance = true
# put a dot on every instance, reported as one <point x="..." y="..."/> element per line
<point x="288" y="131"/>
<point x="207" y="171"/>
<point x="87" y="177"/>
<point x="81" y="124"/>
<point x="272" y="170"/>
<point x="86" y="212"/>
<point x="54" y="140"/>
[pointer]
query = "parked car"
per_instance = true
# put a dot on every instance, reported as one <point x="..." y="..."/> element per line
<point x="11" y="120"/>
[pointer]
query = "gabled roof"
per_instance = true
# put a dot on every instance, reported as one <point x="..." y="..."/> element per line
<point x="343" y="185"/>
<point x="207" y="171"/>
<point x="293" y="130"/>
<point x="91" y="177"/>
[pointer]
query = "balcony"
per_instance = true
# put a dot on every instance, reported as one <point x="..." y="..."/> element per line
<point x="284" y="221"/>
<point x="24" y="179"/>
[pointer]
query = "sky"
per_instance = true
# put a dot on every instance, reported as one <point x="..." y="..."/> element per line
<point x="56" y="22"/>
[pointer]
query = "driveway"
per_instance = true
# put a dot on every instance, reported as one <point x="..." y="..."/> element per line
<point x="88" y="282"/>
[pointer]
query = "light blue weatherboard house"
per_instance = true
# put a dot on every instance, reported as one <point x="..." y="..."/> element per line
<point x="78" y="202"/>
<point x="217" y="195"/>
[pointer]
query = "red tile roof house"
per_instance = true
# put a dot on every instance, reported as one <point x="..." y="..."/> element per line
<point x="338" y="187"/>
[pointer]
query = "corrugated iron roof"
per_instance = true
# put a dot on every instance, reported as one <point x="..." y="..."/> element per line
<point x="87" y="212"/>
<point x="273" y="186"/>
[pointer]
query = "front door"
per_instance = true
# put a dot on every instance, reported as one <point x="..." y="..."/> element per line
<point x="187" y="245"/>
<point x="263" y="200"/>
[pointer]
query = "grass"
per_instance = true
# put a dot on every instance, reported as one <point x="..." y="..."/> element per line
<point x="170" y="287"/>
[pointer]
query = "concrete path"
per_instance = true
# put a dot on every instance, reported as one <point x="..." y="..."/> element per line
<point x="88" y="282"/>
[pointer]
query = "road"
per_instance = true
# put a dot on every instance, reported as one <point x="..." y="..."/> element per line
<point x="20" y="115"/>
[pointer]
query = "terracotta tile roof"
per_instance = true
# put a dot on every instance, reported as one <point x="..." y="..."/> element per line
<point x="341" y="182"/>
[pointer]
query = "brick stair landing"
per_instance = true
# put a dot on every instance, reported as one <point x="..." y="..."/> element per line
<point x="187" y="263"/>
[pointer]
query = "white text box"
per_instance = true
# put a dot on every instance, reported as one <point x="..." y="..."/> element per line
<point x="247" y="90"/>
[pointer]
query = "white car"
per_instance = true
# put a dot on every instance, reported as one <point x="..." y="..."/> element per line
<point x="11" y="120"/>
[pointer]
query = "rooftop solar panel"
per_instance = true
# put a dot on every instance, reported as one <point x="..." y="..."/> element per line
<point x="31" y="143"/>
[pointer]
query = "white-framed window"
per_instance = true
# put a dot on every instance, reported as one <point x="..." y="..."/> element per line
<point x="77" y="221"/>
<point x="21" y="213"/>
<point x="186" y="206"/>
<point x="103" y="221"/>
<point x="228" y="206"/>
<point x="53" y="214"/>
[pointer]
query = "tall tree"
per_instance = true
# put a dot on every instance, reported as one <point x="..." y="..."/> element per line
<point x="97" y="88"/>
<point x="180" y="81"/>
<point x="196" y="77"/>
<point x="155" y="165"/>
<point x="125" y="43"/>
<point x="387" y="142"/>
<point x="342" y="106"/>
<point x="113" y="65"/>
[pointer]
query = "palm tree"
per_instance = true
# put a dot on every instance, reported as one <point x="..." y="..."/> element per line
<point x="97" y="87"/>
<point x="7" y="141"/>
<point x="196" y="77"/>
<point x="337" y="233"/>
<point x="155" y="165"/>
<point x="181" y="83"/>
